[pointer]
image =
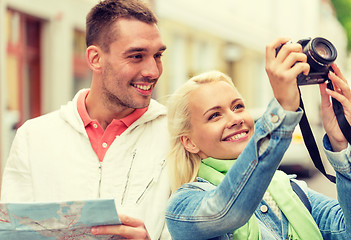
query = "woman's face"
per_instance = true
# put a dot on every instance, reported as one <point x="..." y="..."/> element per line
<point x="221" y="126"/>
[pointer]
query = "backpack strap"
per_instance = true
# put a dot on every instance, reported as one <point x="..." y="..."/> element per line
<point x="302" y="195"/>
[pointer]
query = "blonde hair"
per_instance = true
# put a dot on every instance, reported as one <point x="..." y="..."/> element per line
<point x="183" y="165"/>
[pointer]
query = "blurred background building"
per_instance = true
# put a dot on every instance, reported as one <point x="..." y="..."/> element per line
<point x="42" y="49"/>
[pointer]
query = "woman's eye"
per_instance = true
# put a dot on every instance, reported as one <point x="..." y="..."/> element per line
<point x="214" y="115"/>
<point x="238" y="106"/>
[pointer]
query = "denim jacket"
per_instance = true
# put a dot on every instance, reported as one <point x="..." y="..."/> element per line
<point x="200" y="210"/>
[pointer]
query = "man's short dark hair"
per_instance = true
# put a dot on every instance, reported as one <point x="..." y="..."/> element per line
<point x="101" y="18"/>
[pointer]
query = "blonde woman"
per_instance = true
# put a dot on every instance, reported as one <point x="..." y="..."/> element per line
<point x="223" y="168"/>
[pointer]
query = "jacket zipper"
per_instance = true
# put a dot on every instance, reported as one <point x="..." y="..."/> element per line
<point x="156" y="176"/>
<point x="128" y="176"/>
<point x="100" y="179"/>
<point x="142" y="194"/>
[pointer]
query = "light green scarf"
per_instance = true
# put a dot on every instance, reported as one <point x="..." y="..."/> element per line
<point x="301" y="224"/>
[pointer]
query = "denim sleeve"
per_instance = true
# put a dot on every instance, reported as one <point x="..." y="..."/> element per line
<point x="198" y="214"/>
<point x="341" y="161"/>
<point x="334" y="216"/>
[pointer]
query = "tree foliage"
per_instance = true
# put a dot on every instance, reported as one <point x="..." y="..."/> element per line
<point x="343" y="12"/>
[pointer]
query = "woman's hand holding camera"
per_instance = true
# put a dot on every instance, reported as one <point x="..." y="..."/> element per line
<point x="342" y="93"/>
<point x="282" y="69"/>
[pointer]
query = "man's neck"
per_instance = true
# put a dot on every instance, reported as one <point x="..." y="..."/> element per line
<point x="103" y="112"/>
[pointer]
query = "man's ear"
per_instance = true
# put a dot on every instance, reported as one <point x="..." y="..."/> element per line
<point x="189" y="145"/>
<point x="93" y="57"/>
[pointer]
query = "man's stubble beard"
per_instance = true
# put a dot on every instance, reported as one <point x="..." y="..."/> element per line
<point x="112" y="101"/>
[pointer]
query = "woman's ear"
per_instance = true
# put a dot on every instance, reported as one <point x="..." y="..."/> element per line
<point x="189" y="145"/>
<point x="93" y="56"/>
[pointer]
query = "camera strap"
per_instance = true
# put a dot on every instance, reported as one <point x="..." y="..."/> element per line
<point x="340" y="116"/>
<point x="311" y="144"/>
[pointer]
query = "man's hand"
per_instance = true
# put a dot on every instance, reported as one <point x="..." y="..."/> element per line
<point x="131" y="228"/>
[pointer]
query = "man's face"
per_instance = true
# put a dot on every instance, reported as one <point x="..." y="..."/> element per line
<point x="133" y="65"/>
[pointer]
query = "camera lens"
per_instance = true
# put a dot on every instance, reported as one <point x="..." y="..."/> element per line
<point x="322" y="51"/>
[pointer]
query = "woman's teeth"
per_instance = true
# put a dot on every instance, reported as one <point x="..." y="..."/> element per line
<point x="237" y="136"/>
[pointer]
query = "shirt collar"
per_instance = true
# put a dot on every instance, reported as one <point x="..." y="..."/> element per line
<point x="82" y="110"/>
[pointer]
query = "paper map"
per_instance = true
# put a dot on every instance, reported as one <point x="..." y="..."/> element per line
<point x="64" y="220"/>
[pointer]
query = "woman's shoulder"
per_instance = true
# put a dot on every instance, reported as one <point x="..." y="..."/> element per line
<point x="200" y="185"/>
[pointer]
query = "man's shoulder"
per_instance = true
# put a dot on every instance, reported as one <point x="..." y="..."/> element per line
<point x="46" y="123"/>
<point x="157" y="106"/>
<point x="66" y="113"/>
<point x="51" y="120"/>
<point x="156" y="113"/>
<point x="43" y="119"/>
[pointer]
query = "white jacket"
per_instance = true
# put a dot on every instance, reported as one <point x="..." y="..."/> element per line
<point x="51" y="159"/>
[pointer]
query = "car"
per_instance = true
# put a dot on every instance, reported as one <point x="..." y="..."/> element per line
<point x="297" y="159"/>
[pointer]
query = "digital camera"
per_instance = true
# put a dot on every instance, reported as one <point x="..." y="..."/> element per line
<point x="320" y="55"/>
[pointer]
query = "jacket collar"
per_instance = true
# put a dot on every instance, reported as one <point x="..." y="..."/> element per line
<point x="69" y="113"/>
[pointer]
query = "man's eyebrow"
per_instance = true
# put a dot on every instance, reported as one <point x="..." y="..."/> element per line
<point x="133" y="50"/>
<point x="163" y="48"/>
<point x="139" y="49"/>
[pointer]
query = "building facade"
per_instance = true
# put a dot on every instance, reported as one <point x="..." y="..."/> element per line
<point x="42" y="59"/>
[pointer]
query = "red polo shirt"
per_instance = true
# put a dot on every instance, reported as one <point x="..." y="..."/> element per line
<point x="101" y="140"/>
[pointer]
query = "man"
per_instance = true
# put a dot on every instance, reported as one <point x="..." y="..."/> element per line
<point x="111" y="140"/>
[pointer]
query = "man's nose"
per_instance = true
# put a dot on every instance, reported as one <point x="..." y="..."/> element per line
<point x="152" y="69"/>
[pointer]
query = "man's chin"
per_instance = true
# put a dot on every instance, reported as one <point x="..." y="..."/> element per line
<point x="143" y="104"/>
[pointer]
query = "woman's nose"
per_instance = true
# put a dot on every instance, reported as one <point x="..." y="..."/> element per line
<point x="234" y="120"/>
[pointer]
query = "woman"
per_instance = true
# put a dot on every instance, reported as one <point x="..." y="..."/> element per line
<point x="226" y="170"/>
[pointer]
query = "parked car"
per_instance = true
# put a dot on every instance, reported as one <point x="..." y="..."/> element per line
<point x="296" y="159"/>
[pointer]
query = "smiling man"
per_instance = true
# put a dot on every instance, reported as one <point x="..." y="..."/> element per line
<point x="111" y="140"/>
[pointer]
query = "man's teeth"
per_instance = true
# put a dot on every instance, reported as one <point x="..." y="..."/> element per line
<point x="143" y="87"/>
<point x="237" y="136"/>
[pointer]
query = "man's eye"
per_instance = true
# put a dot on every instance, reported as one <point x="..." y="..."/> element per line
<point x="139" y="56"/>
<point x="158" y="55"/>
<point x="214" y="115"/>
